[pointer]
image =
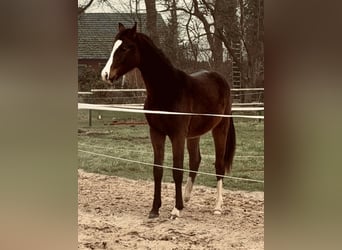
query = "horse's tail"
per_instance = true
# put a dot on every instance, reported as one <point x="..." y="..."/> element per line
<point x="230" y="146"/>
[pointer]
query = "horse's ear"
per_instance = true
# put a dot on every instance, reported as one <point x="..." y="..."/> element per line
<point x="121" y="27"/>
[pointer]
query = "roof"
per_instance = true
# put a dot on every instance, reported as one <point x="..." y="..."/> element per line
<point x="96" y="31"/>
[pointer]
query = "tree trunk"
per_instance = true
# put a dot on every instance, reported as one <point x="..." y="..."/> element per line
<point x="173" y="36"/>
<point x="151" y="21"/>
<point x="217" y="50"/>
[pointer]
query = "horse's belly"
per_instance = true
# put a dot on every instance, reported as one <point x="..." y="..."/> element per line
<point x="168" y="124"/>
<point x="201" y="125"/>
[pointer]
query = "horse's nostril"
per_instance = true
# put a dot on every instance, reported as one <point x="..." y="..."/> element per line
<point x="106" y="76"/>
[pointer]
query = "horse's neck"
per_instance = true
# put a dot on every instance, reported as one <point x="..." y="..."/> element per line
<point x="157" y="72"/>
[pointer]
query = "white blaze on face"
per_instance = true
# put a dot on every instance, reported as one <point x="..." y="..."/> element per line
<point x="106" y="70"/>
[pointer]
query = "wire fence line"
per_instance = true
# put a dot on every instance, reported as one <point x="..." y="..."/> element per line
<point x="93" y="93"/>
<point x="138" y="97"/>
<point x="144" y="90"/>
<point x="141" y="106"/>
<point x="144" y="95"/>
<point x="134" y="108"/>
<point x="123" y="96"/>
<point x="160" y="112"/>
<point x="168" y="153"/>
<point x="168" y="167"/>
<point x="90" y="95"/>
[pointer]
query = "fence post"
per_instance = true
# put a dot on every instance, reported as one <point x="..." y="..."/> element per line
<point x="90" y="115"/>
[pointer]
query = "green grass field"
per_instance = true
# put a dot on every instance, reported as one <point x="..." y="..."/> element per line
<point x="132" y="142"/>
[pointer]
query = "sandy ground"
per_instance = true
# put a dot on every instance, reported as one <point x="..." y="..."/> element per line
<point x="112" y="214"/>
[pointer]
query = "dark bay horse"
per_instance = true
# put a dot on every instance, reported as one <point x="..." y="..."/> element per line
<point x="170" y="89"/>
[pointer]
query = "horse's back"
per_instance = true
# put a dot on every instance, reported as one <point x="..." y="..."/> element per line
<point x="210" y="90"/>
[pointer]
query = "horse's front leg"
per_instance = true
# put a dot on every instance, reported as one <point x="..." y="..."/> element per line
<point x="158" y="143"/>
<point x="178" y="159"/>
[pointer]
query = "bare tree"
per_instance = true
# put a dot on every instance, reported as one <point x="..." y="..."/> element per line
<point x="212" y="15"/>
<point x="227" y="22"/>
<point x="221" y="22"/>
<point x="219" y="12"/>
<point x="251" y="30"/>
<point x="84" y="7"/>
<point x="151" y="22"/>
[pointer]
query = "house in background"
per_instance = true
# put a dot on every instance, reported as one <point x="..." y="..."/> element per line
<point x="96" y="33"/>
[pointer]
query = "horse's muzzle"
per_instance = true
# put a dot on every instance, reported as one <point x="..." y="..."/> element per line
<point x="110" y="77"/>
<point x="113" y="76"/>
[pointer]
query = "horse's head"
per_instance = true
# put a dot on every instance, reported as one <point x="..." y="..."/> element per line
<point x="124" y="56"/>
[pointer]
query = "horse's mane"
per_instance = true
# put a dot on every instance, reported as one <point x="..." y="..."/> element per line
<point x="144" y="39"/>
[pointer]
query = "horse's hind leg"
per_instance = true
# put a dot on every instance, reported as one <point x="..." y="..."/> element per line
<point x="194" y="162"/>
<point x="220" y="138"/>
<point x="158" y="143"/>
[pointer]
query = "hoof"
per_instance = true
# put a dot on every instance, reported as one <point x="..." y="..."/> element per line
<point x="186" y="199"/>
<point x="175" y="214"/>
<point x="173" y="217"/>
<point x="153" y="215"/>
<point x="218" y="211"/>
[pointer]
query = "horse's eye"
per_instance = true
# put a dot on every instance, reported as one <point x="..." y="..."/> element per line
<point x="125" y="48"/>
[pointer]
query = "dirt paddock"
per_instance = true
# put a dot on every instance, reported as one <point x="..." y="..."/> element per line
<point x="112" y="214"/>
